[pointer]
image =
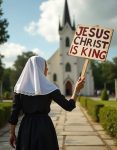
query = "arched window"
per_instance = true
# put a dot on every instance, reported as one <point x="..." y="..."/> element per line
<point x="68" y="67"/>
<point x="68" y="88"/>
<point x="54" y="77"/>
<point x="67" y="42"/>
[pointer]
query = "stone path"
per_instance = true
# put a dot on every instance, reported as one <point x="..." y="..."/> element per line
<point x="75" y="131"/>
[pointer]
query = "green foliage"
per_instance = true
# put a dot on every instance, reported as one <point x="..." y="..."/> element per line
<point x="5" y="109"/>
<point x="1" y="68"/>
<point x="83" y="102"/>
<point x="6" y="80"/>
<point x="7" y="95"/>
<point x="3" y="25"/>
<point x="93" y="107"/>
<point x="105" y="72"/>
<point x="3" y="38"/>
<point x="2" y="116"/>
<point x="97" y="72"/>
<point x="104" y="95"/>
<point x="111" y="103"/>
<point x="108" y="119"/>
<point x="104" y="112"/>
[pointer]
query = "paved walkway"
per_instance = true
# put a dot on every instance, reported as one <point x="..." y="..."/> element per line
<point x="75" y="131"/>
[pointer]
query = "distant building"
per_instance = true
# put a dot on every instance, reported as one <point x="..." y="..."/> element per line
<point x="64" y="70"/>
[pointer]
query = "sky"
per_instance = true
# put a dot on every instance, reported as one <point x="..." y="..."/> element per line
<point x="33" y="24"/>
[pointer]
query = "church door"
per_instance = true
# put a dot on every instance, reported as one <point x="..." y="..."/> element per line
<point x="68" y="88"/>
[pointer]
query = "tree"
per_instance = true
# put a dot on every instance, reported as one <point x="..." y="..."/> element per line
<point x="3" y="38"/>
<point x="104" y="74"/>
<point x="6" y="80"/>
<point x="107" y="78"/>
<point x="1" y="67"/>
<point x="97" y="72"/>
<point x="3" y="25"/>
<point x="1" y="75"/>
<point x="114" y="68"/>
<point x="104" y="95"/>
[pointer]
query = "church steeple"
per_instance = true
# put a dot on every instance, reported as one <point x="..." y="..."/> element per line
<point x="66" y="17"/>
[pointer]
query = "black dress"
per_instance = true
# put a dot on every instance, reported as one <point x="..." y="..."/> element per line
<point x="36" y="131"/>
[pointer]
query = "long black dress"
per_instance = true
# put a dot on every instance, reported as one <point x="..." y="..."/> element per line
<point x="36" y="131"/>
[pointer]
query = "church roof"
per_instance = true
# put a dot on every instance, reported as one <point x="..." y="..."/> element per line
<point x="54" y="55"/>
<point x="66" y="17"/>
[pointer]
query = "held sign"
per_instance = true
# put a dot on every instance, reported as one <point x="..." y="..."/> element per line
<point x="91" y="42"/>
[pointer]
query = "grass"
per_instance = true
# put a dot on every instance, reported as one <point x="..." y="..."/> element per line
<point x="5" y="104"/>
<point x="109" y="103"/>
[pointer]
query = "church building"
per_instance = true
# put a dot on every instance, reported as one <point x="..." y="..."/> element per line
<point x="64" y="70"/>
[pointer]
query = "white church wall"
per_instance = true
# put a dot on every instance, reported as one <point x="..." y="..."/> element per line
<point x="54" y="67"/>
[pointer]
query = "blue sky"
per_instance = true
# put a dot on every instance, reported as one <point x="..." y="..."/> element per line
<point x="19" y="14"/>
<point x="33" y="24"/>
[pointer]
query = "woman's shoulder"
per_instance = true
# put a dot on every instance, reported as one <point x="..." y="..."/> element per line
<point x="56" y="91"/>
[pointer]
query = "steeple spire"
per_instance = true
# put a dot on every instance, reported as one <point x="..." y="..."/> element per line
<point x="66" y="15"/>
<point x="66" y="18"/>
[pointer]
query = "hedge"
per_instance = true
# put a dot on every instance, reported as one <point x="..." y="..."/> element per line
<point x="108" y="119"/>
<point x="83" y="101"/>
<point x="103" y="112"/>
<point x="104" y="95"/>
<point x="93" y="107"/>
<point x="5" y="110"/>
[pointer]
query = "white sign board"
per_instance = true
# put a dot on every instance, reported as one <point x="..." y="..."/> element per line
<point x="91" y="42"/>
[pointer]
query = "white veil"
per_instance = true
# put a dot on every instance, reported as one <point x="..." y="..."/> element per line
<point x="32" y="80"/>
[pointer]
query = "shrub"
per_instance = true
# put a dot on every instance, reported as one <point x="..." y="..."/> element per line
<point x="83" y="102"/>
<point x="7" y="95"/>
<point x="92" y="106"/>
<point x="104" y="112"/>
<point x="108" y="119"/>
<point x="104" y="95"/>
<point x="2" y="117"/>
<point x="5" y="110"/>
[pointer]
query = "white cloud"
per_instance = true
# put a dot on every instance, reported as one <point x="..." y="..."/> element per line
<point x="47" y="25"/>
<point x="31" y="28"/>
<point x="12" y="50"/>
<point x="39" y="52"/>
<point x="91" y="12"/>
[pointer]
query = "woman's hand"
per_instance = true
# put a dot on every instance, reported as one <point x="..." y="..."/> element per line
<point x="12" y="140"/>
<point x="80" y="84"/>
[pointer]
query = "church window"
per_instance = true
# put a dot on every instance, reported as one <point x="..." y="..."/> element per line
<point x="54" y="77"/>
<point x="68" y="88"/>
<point x="68" y="67"/>
<point x="67" y="42"/>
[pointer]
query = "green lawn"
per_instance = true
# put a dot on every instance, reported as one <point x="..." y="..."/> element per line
<point x="5" y="104"/>
<point x="112" y="103"/>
